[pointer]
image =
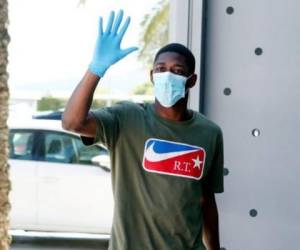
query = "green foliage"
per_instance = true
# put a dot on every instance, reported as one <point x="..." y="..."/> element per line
<point x="50" y="103"/>
<point x="98" y="104"/>
<point x="155" y="34"/>
<point x="143" y="89"/>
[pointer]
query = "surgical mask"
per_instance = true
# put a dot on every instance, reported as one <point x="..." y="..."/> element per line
<point x="169" y="88"/>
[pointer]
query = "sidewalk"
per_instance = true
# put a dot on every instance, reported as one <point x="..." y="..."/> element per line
<point x="26" y="243"/>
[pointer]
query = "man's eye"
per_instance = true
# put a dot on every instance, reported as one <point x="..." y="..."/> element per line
<point x="159" y="69"/>
<point x="179" y="72"/>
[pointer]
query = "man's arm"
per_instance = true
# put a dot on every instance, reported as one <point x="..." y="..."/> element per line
<point x="76" y="116"/>
<point x="210" y="219"/>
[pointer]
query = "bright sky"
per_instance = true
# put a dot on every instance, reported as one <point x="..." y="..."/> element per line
<point x="52" y="42"/>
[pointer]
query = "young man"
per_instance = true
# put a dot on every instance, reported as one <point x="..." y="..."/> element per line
<point x="166" y="160"/>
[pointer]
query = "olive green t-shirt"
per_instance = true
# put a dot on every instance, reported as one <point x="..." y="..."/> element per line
<point x="157" y="168"/>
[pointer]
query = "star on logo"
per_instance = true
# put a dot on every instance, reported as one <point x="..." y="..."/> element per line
<point x="197" y="162"/>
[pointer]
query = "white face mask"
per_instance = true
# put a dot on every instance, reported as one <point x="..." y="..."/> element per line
<point x="169" y="88"/>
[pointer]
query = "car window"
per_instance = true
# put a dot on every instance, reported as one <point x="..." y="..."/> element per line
<point x="20" y="145"/>
<point x="54" y="146"/>
<point x="59" y="147"/>
<point x="87" y="153"/>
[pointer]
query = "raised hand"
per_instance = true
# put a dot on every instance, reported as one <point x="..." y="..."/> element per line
<point x="107" y="50"/>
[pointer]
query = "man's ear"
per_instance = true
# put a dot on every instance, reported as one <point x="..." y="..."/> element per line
<point x="191" y="81"/>
<point x="151" y="76"/>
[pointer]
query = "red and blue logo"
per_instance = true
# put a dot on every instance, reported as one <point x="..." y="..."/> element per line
<point x="172" y="158"/>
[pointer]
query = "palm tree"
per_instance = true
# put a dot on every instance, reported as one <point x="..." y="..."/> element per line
<point x="155" y="31"/>
<point x="4" y="94"/>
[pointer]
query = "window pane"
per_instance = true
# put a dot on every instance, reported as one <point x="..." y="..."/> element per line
<point x="87" y="153"/>
<point x="59" y="148"/>
<point x="20" y="145"/>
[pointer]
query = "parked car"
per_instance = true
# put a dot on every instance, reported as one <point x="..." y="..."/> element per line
<point x="58" y="184"/>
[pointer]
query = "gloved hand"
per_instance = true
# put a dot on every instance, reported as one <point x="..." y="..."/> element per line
<point x="107" y="50"/>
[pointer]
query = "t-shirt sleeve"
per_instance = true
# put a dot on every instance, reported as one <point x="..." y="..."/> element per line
<point x="216" y="173"/>
<point x="108" y="126"/>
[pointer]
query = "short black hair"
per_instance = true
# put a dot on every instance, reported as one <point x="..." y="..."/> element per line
<point x="182" y="50"/>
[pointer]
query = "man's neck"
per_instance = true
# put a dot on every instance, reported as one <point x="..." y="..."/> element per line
<point x="178" y="112"/>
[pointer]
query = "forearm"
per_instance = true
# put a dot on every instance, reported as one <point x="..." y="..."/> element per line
<point x="211" y="225"/>
<point x="107" y="52"/>
<point x="78" y="106"/>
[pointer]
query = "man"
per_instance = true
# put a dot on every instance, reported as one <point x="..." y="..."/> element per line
<point x="166" y="160"/>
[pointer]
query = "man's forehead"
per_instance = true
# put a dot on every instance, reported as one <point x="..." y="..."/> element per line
<point x="171" y="57"/>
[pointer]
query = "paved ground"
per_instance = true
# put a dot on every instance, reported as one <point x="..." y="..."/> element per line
<point x="32" y="243"/>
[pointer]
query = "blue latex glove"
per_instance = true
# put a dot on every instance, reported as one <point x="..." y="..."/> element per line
<point x="107" y="50"/>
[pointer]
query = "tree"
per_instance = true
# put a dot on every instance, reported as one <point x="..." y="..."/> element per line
<point x="50" y="103"/>
<point x="96" y="104"/>
<point x="155" y="31"/>
<point x="143" y="89"/>
<point x="4" y="95"/>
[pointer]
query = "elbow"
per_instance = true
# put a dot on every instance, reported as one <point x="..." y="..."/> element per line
<point x="70" y="124"/>
<point x="66" y="124"/>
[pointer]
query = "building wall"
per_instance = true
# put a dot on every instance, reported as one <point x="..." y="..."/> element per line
<point x="186" y="28"/>
<point x="252" y="91"/>
<point x="249" y="71"/>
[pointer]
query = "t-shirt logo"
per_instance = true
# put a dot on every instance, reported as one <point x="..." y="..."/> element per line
<point x="172" y="158"/>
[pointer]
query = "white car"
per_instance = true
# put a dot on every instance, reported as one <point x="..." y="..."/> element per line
<point x="58" y="184"/>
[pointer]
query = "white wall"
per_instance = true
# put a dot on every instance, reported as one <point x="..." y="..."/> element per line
<point x="245" y="90"/>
